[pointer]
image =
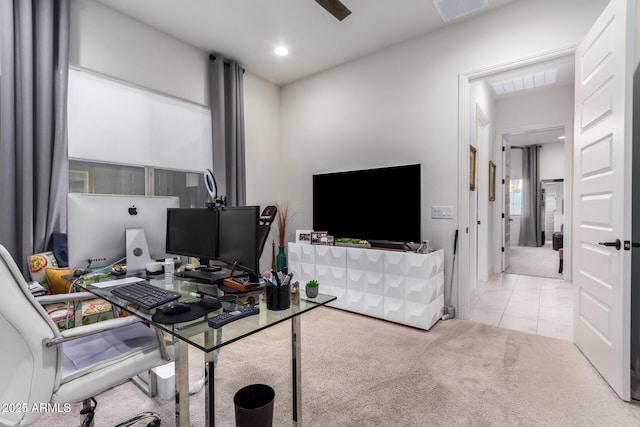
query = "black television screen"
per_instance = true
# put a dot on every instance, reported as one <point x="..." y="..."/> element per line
<point x="193" y="232"/>
<point x="371" y="204"/>
<point x="238" y="237"/>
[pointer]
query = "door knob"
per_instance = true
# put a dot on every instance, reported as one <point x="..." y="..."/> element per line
<point x="617" y="244"/>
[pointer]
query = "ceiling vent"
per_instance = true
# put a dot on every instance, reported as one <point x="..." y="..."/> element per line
<point x="452" y="9"/>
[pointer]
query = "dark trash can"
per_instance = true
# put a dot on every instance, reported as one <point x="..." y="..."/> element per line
<point x="254" y="406"/>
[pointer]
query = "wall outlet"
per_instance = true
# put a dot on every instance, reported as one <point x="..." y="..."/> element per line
<point x="445" y="212"/>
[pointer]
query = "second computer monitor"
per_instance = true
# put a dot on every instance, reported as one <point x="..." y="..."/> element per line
<point x="238" y="237"/>
<point x="193" y="232"/>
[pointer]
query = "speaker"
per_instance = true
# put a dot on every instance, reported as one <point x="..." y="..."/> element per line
<point x="137" y="250"/>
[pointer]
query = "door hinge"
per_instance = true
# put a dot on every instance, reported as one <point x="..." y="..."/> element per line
<point x="504" y="148"/>
<point x="478" y="222"/>
<point x="502" y="214"/>
<point x="503" y="249"/>
<point x="503" y="182"/>
<point x="628" y="245"/>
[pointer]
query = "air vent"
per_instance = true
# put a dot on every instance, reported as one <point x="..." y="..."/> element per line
<point x="452" y="9"/>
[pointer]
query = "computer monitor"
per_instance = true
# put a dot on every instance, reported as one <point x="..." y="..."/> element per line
<point x="238" y="238"/>
<point x="96" y="225"/>
<point x="193" y="232"/>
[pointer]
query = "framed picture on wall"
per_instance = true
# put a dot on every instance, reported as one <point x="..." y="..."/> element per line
<point x="492" y="181"/>
<point x="472" y="168"/>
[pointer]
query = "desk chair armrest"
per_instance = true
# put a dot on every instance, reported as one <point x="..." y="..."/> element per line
<point x="74" y="296"/>
<point x="94" y="328"/>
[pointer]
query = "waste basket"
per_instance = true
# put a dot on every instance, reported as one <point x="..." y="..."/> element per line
<point x="254" y="406"/>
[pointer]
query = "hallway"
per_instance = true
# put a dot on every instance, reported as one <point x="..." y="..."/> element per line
<point x="537" y="305"/>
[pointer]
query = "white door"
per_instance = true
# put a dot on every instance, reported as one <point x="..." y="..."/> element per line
<point x="602" y="198"/>
<point x="506" y="217"/>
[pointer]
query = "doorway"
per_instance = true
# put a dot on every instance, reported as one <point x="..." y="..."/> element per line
<point x="510" y="127"/>
<point x="544" y="258"/>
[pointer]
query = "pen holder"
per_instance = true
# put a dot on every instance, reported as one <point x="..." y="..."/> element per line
<point x="278" y="297"/>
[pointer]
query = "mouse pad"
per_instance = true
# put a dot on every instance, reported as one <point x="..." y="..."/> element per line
<point x="198" y="309"/>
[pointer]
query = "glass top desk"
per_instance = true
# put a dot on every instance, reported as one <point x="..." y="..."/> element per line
<point x="193" y="332"/>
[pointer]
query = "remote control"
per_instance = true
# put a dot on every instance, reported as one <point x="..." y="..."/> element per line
<point x="228" y="317"/>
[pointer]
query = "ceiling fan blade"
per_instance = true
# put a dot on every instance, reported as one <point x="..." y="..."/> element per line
<point x="336" y="8"/>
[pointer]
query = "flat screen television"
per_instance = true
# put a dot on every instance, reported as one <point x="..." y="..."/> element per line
<point x="380" y="204"/>
<point x="238" y="241"/>
<point x="193" y="232"/>
<point x="96" y="225"/>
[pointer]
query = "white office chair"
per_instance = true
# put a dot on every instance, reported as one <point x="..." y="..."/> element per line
<point x="41" y="365"/>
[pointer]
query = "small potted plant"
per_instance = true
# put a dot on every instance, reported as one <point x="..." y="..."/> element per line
<point x="311" y="288"/>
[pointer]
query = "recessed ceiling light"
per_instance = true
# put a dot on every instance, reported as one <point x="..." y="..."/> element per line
<point x="281" y="51"/>
<point x="562" y="137"/>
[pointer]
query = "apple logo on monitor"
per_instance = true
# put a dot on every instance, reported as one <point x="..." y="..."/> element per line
<point x="133" y="210"/>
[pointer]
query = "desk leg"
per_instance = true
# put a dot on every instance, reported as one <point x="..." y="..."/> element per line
<point x="181" y="366"/>
<point x="296" y="371"/>
<point x="210" y="359"/>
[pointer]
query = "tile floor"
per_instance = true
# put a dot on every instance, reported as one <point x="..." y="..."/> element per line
<point x="537" y="305"/>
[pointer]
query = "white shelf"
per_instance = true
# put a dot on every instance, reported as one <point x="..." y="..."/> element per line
<point x="402" y="287"/>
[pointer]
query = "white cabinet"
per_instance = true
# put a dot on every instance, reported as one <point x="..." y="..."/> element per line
<point x="401" y="287"/>
<point x="331" y="272"/>
<point x="365" y="286"/>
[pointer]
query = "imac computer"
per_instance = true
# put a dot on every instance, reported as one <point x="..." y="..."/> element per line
<point x="238" y="239"/>
<point x="193" y="232"/>
<point x="98" y="223"/>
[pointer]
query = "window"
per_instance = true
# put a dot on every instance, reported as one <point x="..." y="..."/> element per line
<point x="188" y="186"/>
<point x="107" y="178"/>
<point x="515" y="196"/>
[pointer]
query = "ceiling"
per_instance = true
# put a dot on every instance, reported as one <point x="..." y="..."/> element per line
<point x="564" y="71"/>
<point x="247" y="31"/>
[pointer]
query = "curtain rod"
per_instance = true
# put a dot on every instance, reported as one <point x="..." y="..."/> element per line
<point x="212" y="57"/>
<point x="520" y="147"/>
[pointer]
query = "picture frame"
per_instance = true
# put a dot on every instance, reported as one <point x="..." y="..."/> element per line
<point x="303" y="236"/>
<point x="472" y="167"/>
<point x="492" y="181"/>
<point x="319" y="237"/>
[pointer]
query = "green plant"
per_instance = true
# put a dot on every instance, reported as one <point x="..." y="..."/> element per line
<point x="312" y="283"/>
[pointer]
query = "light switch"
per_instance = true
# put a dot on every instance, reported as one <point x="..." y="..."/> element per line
<point x="439" y="212"/>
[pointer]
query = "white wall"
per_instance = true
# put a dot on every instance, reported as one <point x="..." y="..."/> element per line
<point x="400" y="105"/>
<point x="110" y="43"/>
<point x="481" y="104"/>
<point x="533" y="110"/>
<point x="552" y="161"/>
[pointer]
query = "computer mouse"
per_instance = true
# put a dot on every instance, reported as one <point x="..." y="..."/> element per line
<point x="210" y="303"/>
<point x="175" y="307"/>
<point x="79" y="272"/>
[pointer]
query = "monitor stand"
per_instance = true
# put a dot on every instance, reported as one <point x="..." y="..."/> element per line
<point x="137" y="250"/>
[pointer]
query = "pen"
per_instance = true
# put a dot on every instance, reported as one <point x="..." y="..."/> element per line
<point x="287" y="280"/>
<point x="275" y="273"/>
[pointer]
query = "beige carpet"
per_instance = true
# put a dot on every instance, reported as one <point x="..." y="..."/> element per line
<point x="529" y="261"/>
<point x="359" y="371"/>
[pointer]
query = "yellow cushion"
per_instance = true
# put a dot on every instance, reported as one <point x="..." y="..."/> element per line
<point x="57" y="284"/>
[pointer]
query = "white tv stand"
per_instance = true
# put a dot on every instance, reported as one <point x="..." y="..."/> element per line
<point x="401" y="287"/>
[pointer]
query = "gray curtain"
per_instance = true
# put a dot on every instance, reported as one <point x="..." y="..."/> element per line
<point x="33" y="124"/>
<point x="530" y="224"/>
<point x="227" y="123"/>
